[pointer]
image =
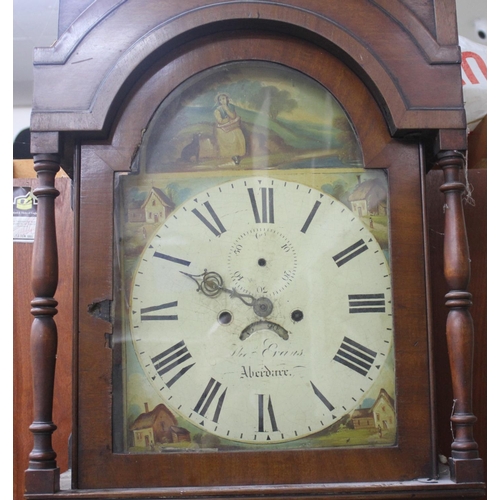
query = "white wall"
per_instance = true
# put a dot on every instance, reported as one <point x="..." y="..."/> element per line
<point x="471" y="19"/>
<point x="21" y="120"/>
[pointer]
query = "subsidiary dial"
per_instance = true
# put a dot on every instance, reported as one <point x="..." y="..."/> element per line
<point x="262" y="262"/>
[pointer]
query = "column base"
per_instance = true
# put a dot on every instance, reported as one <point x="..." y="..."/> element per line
<point x="41" y="480"/>
<point x="466" y="470"/>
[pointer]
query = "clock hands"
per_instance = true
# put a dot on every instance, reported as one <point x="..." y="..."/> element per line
<point x="211" y="284"/>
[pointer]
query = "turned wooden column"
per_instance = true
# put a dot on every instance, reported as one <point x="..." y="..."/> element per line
<point x="465" y="463"/>
<point x="42" y="475"/>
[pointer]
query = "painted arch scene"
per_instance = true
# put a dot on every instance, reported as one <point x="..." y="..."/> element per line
<point x="251" y="115"/>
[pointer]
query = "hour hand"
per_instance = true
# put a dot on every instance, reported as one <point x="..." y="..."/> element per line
<point x="211" y="284"/>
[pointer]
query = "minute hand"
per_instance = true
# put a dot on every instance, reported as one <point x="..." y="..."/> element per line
<point x="262" y="307"/>
<point x="246" y="298"/>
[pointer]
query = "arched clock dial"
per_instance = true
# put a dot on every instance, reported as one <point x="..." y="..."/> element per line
<point x="261" y="310"/>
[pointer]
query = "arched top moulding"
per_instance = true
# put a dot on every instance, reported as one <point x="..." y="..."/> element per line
<point x="413" y="73"/>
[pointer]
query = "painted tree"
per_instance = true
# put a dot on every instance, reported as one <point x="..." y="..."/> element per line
<point x="271" y="100"/>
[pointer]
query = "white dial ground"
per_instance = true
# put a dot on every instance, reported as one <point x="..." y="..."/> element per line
<point x="261" y="310"/>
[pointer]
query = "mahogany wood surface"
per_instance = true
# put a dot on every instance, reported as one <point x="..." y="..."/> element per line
<point x="394" y="66"/>
<point x="43" y="473"/>
<point x="475" y="211"/>
<point x="464" y="461"/>
<point x="414" y="456"/>
<point x="22" y="295"/>
<point x="337" y="491"/>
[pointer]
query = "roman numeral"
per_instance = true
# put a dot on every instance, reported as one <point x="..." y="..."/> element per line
<point x="220" y="228"/>
<point x="355" y="356"/>
<point x="145" y="316"/>
<point x="172" y="259"/>
<point x="310" y="217"/>
<point x="267" y="204"/>
<point x="322" y="398"/>
<point x="262" y="412"/>
<point x="367" y="303"/>
<point x="350" y="252"/>
<point x="171" y="359"/>
<point x="207" y="398"/>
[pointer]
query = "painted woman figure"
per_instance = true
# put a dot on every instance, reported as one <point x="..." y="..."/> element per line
<point x="230" y="139"/>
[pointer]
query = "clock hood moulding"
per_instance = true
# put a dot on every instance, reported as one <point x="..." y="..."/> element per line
<point x="404" y="68"/>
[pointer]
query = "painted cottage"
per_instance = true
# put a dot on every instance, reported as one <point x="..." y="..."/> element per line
<point x="154" y="427"/>
<point x="157" y="206"/>
<point x="384" y="415"/>
<point x="381" y="415"/>
<point x="369" y="198"/>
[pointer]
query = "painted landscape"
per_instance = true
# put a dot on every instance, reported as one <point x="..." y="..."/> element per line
<point x="254" y="116"/>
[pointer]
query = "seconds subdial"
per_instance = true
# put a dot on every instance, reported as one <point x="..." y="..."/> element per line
<point x="262" y="262"/>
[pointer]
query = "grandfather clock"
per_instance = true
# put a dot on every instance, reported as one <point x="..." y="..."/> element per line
<point x="252" y="279"/>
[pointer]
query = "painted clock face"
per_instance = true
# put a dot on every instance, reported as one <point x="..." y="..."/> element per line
<point x="261" y="310"/>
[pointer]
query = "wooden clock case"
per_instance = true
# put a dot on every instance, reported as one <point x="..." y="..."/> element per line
<point x="395" y="68"/>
